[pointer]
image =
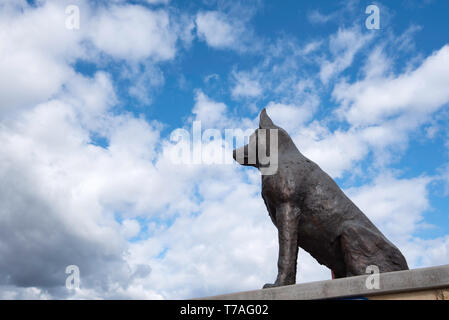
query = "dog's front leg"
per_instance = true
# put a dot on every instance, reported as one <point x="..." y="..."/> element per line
<point x="287" y="224"/>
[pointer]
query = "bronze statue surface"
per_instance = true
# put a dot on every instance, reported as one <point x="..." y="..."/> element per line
<point x="310" y="211"/>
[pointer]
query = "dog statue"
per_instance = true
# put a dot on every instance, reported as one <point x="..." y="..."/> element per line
<point x="310" y="211"/>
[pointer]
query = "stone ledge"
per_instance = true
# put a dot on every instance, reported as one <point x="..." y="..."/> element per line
<point x="416" y="280"/>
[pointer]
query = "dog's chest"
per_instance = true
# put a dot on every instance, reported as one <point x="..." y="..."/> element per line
<point x="278" y="188"/>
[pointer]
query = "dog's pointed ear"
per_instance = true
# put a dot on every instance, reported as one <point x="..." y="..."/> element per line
<point x="265" y="121"/>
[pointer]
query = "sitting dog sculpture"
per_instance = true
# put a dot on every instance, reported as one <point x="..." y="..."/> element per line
<point x="310" y="211"/>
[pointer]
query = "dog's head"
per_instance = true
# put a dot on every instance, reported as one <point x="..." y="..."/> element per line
<point x="262" y="148"/>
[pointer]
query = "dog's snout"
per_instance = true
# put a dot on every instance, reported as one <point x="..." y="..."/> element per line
<point x="239" y="155"/>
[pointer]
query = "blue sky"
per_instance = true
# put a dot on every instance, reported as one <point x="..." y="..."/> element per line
<point x="86" y="116"/>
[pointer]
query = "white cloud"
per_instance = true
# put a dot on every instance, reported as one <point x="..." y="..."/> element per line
<point x="67" y="192"/>
<point x="428" y="253"/>
<point x="336" y="152"/>
<point x="130" y="228"/>
<point x="210" y="113"/>
<point x="91" y="97"/>
<point x="214" y="263"/>
<point x="382" y="110"/>
<point x="39" y="51"/>
<point x="133" y="32"/>
<point x="146" y="78"/>
<point x="35" y="55"/>
<point x="30" y="293"/>
<point x="419" y="92"/>
<point x="346" y="12"/>
<point x="343" y="45"/>
<point x="157" y="1"/>
<point x="151" y="2"/>
<point x="60" y="192"/>
<point x="377" y="64"/>
<point x="311" y="47"/>
<point x="246" y="86"/>
<point x="395" y="205"/>
<point x="218" y="30"/>
<point x="308" y="269"/>
<point x="289" y="116"/>
<point x="317" y="17"/>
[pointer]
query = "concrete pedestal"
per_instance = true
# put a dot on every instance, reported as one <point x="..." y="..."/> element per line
<point x="418" y="284"/>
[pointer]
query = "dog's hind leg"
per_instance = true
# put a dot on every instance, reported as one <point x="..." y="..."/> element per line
<point x="287" y="217"/>
<point x="359" y="245"/>
<point x="362" y="247"/>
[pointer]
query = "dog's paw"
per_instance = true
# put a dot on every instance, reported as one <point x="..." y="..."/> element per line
<point x="269" y="285"/>
<point x="279" y="284"/>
